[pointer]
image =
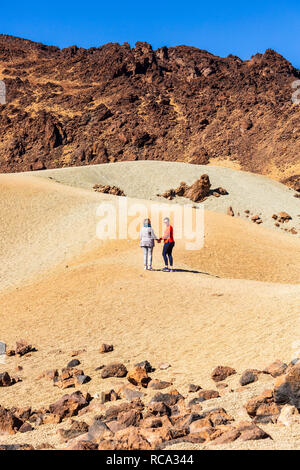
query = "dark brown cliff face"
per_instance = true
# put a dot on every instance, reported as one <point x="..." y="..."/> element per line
<point x="76" y="107"/>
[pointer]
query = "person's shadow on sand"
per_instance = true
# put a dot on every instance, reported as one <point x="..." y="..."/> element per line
<point x="193" y="271"/>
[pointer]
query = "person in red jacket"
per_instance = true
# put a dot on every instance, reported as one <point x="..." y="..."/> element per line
<point x="168" y="245"/>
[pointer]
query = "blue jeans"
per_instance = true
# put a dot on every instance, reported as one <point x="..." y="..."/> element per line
<point x="148" y="255"/>
<point x="167" y="253"/>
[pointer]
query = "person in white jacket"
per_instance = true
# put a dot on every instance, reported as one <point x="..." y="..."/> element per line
<point x="147" y="237"/>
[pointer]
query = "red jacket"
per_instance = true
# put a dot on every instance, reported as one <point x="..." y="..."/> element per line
<point x="168" y="235"/>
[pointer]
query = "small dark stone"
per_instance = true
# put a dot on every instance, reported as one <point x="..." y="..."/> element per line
<point x="166" y="398"/>
<point x="82" y="379"/>
<point x="195" y="401"/>
<point x="26" y="427"/>
<point x="73" y="363"/>
<point x="146" y="365"/>
<point x="248" y="377"/>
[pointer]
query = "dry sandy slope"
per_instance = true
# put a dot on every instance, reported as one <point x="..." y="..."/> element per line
<point x="85" y="292"/>
<point x="146" y="179"/>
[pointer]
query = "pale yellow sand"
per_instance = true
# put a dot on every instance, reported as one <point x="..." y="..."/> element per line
<point x="62" y="289"/>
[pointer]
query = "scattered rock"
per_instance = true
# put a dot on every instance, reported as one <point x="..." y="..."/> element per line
<point x="288" y="415"/>
<point x="276" y="368"/>
<point x="50" y="374"/>
<point x="109" y="396"/>
<point x="73" y="363"/>
<point x="69" y="405"/>
<point x="221" y="385"/>
<point x="82" y="379"/>
<point x="70" y="377"/>
<point x="5" y="380"/>
<point x="130" y="394"/>
<point x="221" y="373"/>
<point x="138" y="376"/>
<point x="77" y="428"/>
<point x="249" y="431"/>
<point x="254" y="403"/>
<point x="108" y="189"/>
<point x="226" y="437"/>
<point x="9" y="423"/>
<point x="77" y="352"/>
<point x="159" y="384"/>
<point x="249" y="376"/>
<point x="26" y="427"/>
<point x="284" y="217"/>
<point x="10" y="352"/>
<point x="164" y="366"/>
<point x="22" y="348"/>
<point x="194" y="388"/>
<point x="245" y="125"/>
<point x="287" y="387"/>
<point x="146" y="365"/>
<point x="168" y="399"/>
<point x="221" y="191"/>
<point x="105" y="348"/>
<point x="208" y="394"/>
<point x="230" y="211"/>
<point x="197" y="192"/>
<point x="116" y="369"/>
<point x="257" y="219"/>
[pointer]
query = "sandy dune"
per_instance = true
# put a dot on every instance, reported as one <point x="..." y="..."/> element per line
<point x="235" y="302"/>
<point x="145" y="179"/>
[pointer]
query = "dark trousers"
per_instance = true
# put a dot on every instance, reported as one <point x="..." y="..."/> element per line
<point x="167" y="253"/>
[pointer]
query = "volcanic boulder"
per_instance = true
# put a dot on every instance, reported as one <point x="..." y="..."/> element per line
<point x="221" y="373"/>
<point x="287" y="388"/>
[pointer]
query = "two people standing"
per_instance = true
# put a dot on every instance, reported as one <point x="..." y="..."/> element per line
<point x="147" y="237"/>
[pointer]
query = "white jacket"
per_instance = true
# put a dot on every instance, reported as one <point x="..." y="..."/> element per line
<point x="147" y="237"/>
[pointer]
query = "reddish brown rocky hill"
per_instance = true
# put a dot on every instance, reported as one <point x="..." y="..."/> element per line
<point x="84" y="106"/>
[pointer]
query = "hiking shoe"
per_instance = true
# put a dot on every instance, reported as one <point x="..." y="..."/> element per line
<point x="149" y="268"/>
<point x="145" y="267"/>
<point x="171" y="270"/>
<point x="165" y="269"/>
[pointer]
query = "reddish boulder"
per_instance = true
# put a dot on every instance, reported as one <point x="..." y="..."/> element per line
<point x="114" y="370"/>
<point x="199" y="190"/>
<point x="221" y="373"/>
<point x="208" y="394"/>
<point x="9" y="423"/>
<point x="138" y="376"/>
<point x="22" y="347"/>
<point x="226" y="437"/>
<point x="77" y="429"/>
<point x="168" y="399"/>
<point x="249" y="376"/>
<point x="249" y="431"/>
<point x="276" y="368"/>
<point x="5" y="380"/>
<point x="105" y="348"/>
<point x="69" y="405"/>
<point x="159" y="384"/>
<point x="287" y="388"/>
<point x="26" y="427"/>
<point x="254" y="403"/>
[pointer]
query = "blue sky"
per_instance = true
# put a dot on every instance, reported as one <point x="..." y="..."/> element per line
<point x="235" y="27"/>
